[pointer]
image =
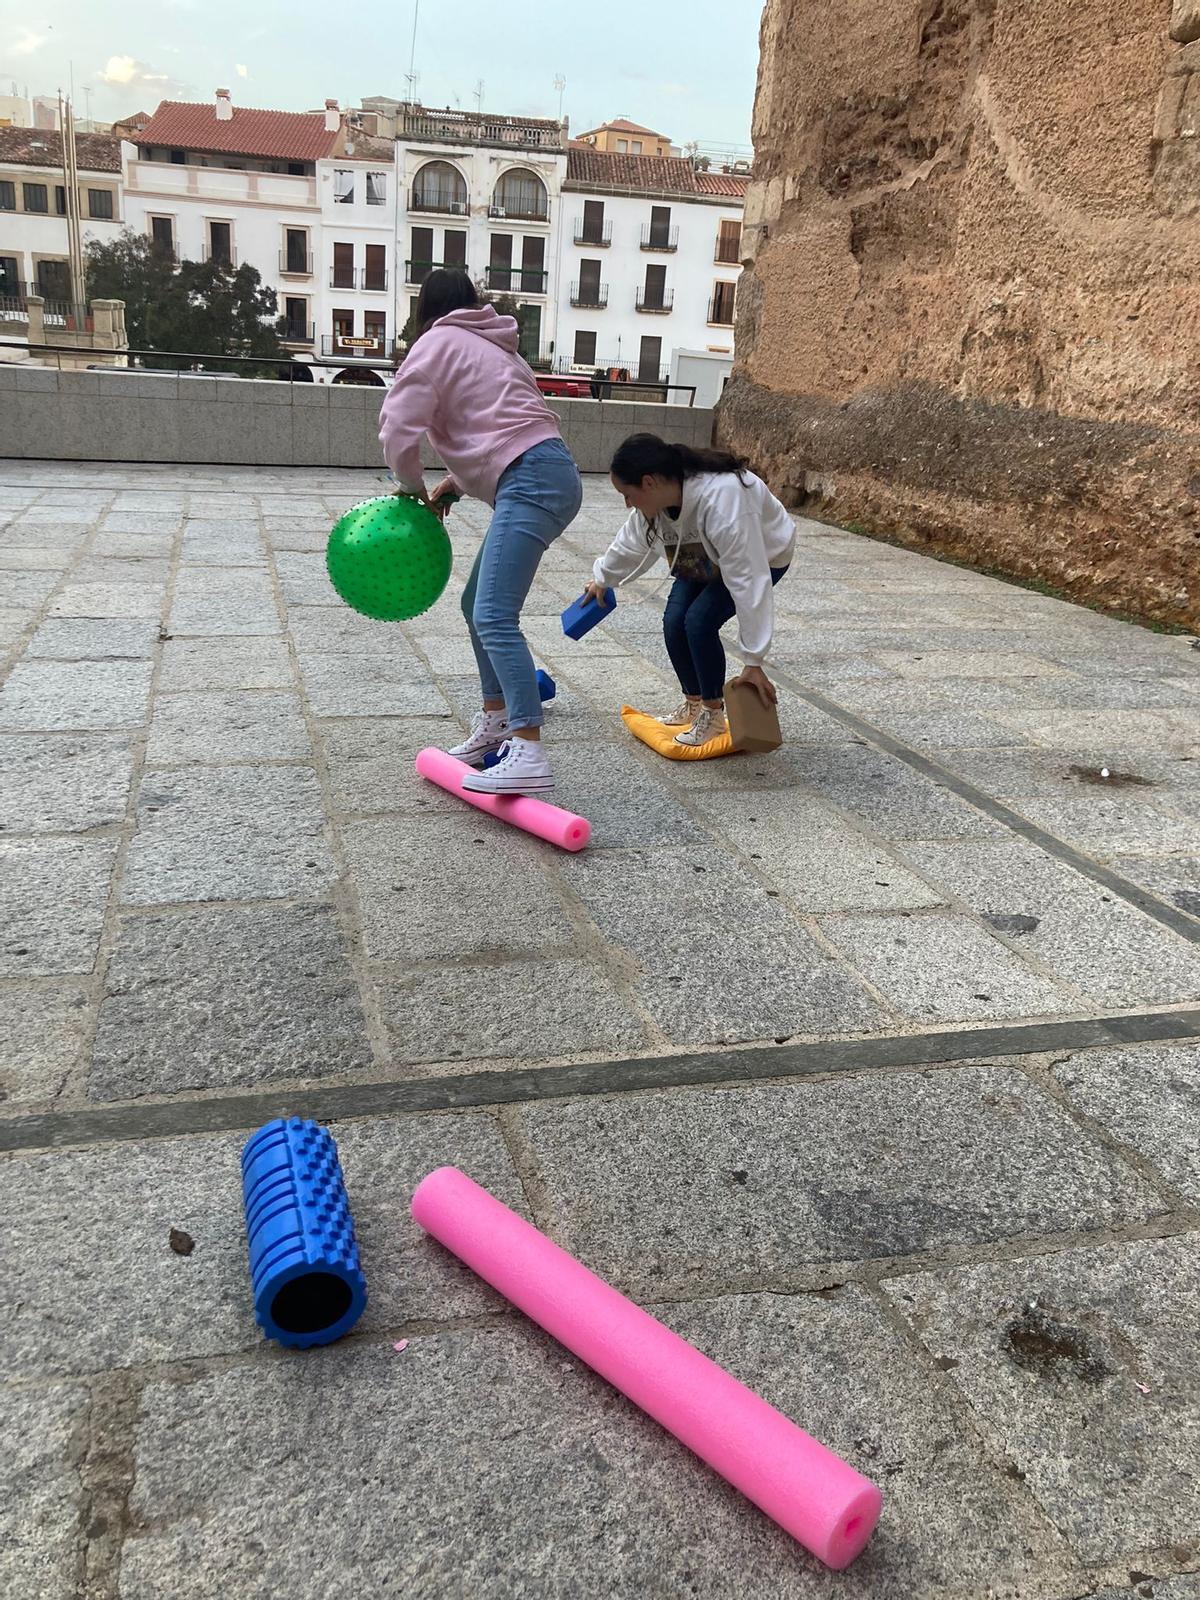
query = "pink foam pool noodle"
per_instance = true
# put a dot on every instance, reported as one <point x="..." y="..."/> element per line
<point x="815" y="1495"/>
<point x="562" y="828"/>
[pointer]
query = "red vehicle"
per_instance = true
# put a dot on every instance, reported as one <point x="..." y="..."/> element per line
<point x="564" y="385"/>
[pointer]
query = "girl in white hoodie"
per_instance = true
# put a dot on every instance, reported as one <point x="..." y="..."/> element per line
<point x="728" y="542"/>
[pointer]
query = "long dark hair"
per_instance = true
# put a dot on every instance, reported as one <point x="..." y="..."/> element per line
<point x="446" y="289"/>
<point x="645" y="455"/>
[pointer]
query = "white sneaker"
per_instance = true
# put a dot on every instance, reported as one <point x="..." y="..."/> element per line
<point x="489" y="730"/>
<point x="710" y="724"/>
<point x="684" y="714"/>
<point x="521" y="769"/>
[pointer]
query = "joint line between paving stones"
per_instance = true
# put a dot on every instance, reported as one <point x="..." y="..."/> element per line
<point x="525" y="1085"/>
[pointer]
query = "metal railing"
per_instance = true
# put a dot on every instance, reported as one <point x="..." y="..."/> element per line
<point x="465" y="127"/>
<point x="659" y="238"/>
<point x="599" y="240"/>
<point x="728" y="252"/>
<point x="298" y="333"/>
<point x="185" y="363"/>
<point x="439" y="205"/>
<point x="415" y="272"/>
<point x="374" y="278"/>
<point x="516" y="280"/>
<point x="57" y="312"/>
<point x="293" y="266"/>
<point x="342" y="278"/>
<point x="360" y="347"/>
<point x="520" y="213"/>
<point x="603" y="388"/>
<point x="721" y="311"/>
<point x="589" y="296"/>
<point x="659" y="301"/>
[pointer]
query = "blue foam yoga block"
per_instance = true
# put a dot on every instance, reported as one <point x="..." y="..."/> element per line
<point x="581" y="616"/>
<point x="308" y="1284"/>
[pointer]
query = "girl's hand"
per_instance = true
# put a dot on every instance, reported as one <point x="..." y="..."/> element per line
<point x="438" y="494"/>
<point x="757" y="679"/>
<point x="595" y="591"/>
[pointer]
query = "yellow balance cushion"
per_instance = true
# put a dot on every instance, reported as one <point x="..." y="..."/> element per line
<point x="661" y="738"/>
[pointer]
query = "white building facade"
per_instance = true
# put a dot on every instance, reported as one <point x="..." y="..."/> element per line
<point x="34" y="242"/>
<point x="650" y="266"/>
<point x="484" y="194"/>
<point x="306" y="200"/>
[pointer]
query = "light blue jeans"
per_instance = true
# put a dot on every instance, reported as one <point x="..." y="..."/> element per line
<point x="537" y="496"/>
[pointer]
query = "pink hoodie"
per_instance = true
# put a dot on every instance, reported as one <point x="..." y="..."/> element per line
<point x="464" y="384"/>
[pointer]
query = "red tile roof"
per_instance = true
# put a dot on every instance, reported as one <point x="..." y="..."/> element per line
<point x="598" y="169"/>
<point x="42" y="147"/>
<point x="270" y="135"/>
<point x="731" y="184"/>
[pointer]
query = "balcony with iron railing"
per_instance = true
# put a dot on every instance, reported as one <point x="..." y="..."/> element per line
<point x="516" y="280"/>
<point x="297" y="332"/>
<point x="595" y="238"/>
<point x="658" y="301"/>
<point x="521" y="211"/>
<point x="295" y="264"/>
<point x="221" y="258"/>
<point x="415" y="272"/>
<point x="438" y="204"/>
<point x="589" y="296"/>
<point x="373" y="278"/>
<point x="728" y="252"/>
<point x="342" y="278"/>
<point x="664" y="239"/>
<point x="459" y="127"/>
<point x="58" y="309"/>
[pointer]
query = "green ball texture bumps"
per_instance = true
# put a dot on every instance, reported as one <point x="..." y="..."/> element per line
<point x="389" y="558"/>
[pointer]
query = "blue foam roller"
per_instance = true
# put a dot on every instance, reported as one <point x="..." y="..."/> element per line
<point x="547" y="688"/>
<point x="582" y="615"/>
<point x="308" y="1285"/>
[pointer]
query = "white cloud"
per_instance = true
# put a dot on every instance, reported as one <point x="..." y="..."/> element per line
<point x="27" y="42"/>
<point x="241" y="71"/>
<point x="122" y="72"/>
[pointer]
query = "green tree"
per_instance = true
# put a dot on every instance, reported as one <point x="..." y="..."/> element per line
<point x="198" y="308"/>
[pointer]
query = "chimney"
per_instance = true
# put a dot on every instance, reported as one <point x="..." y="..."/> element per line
<point x="224" y="106"/>
<point x="333" y="120"/>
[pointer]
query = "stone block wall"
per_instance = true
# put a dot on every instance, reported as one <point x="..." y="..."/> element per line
<point x="971" y="316"/>
<point x="160" y="416"/>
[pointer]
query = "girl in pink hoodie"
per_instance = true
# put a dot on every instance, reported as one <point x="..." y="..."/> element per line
<point x="464" y="385"/>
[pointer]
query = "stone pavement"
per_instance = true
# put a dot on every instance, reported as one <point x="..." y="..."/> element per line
<point x="873" y="1065"/>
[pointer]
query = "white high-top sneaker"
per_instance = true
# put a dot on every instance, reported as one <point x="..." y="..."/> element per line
<point x="521" y="769"/>
<point x="710" y="724"/>
<point x="489" y="730"/>
<point x="684" y="714"/>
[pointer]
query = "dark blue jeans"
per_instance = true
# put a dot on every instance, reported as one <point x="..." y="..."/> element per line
<point x="692" y="623"/>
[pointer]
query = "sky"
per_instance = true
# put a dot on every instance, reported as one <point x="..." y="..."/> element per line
<point x="683" y="67"/>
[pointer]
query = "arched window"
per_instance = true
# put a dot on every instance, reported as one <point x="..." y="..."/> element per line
<point x="440" y="187"/>
<point x="521" y="194"/>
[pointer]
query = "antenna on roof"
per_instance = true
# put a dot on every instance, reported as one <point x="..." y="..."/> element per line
<point x="479" y="97"/>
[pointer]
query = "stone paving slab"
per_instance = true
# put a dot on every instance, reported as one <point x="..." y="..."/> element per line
<point x="715" y="957"/>
<point x="228" y="833"/>
<point x="42" y="1501"/>
<point x="62" y="782"/>
<point x="42" y="1031"/>
<point x="41" y="696"/>
<point x="1083" y="1369"/>
<point x="1147" y="1098"/>
<point x="942" y="967"/>
<point x="118" y="1295"/>
<point x="240" y="725"/>
<point x="53" y="893"/>
<point x="93" y="639"/>
<point x="212" y="999"/>
<point x="667" y="1192"/>
<point x="430" y="891"/>
<point x="1079" y="930"/>
<point x="518" y="1473"/>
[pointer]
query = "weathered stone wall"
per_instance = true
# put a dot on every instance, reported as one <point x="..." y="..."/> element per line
<point x="972" y="312"/>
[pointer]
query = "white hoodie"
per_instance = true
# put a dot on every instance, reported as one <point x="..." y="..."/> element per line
<point x="744" y="532"/>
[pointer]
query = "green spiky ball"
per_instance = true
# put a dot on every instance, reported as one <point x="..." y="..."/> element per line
<point x="389" y="558"/>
